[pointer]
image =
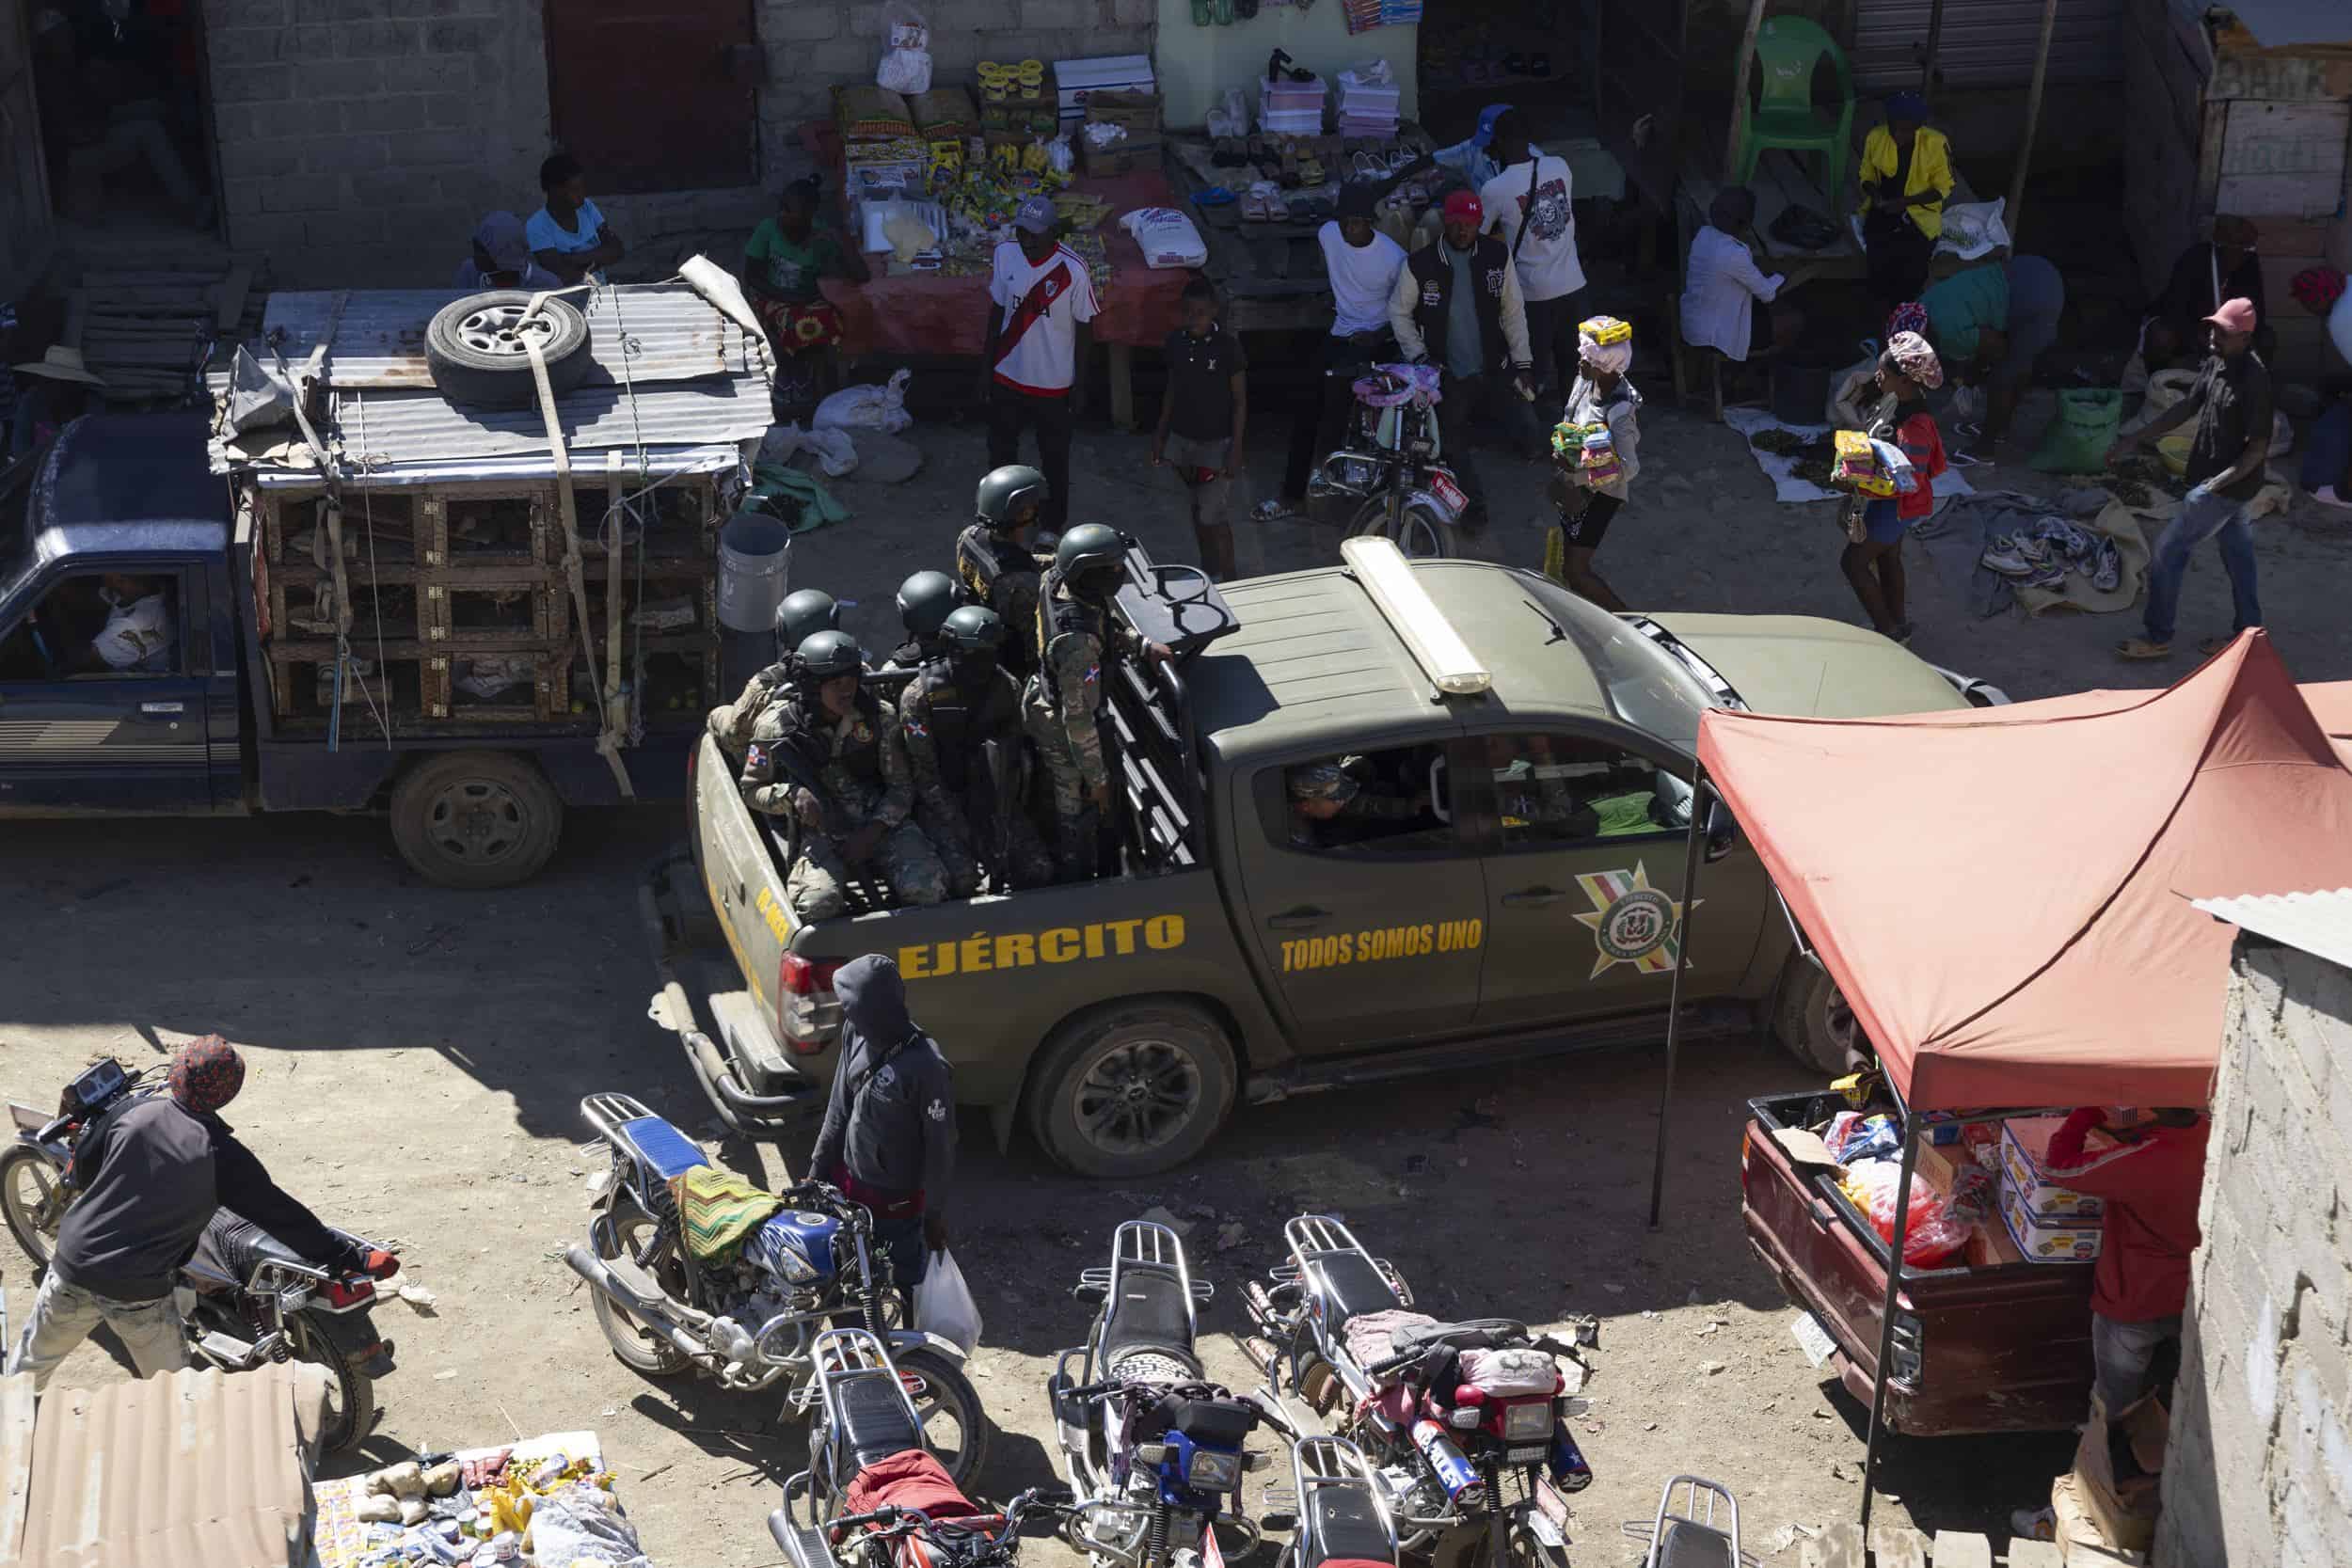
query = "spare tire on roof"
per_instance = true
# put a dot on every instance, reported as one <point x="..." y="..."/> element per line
<point x="474" y="348"/>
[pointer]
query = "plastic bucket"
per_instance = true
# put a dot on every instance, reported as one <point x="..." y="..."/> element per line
<point x="1800" y="391"/>
<point x="754" y="571"/>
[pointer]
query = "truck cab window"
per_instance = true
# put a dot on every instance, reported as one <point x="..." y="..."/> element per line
<point x="1569" y="789"/>
<point x="97" y="624"/>
<point x="1368" y="803"/>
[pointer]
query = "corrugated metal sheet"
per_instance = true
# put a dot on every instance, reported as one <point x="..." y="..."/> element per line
<point x="2319" y="923"/>
<point x="16" y="1455"/>
<point x="192" y="1468"/>
<point x="1985" y="44"/>
<point x="665" y="332"/>
<point x="660" y="463"/>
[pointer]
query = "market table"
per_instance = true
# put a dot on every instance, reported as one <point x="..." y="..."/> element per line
<point x="933" y="313"/>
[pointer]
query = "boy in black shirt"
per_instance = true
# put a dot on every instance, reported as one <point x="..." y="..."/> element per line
<point x="1202" y="419"/>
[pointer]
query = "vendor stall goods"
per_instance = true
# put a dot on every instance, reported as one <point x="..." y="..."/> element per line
<point x="546" y="1503"/>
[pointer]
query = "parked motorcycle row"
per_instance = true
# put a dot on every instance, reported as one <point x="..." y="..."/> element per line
<point x="1408" y="1438"/>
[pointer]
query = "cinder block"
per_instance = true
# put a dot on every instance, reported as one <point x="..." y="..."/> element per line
<point x="1134" y="13"/>
<point x="1898" y="1546"/>
<point x="242" y="160"/>
<point x="440" y="149"/>
<point x="399" y="114"/>
<point x="253" y="84"/>
<point x="448" y="109"/>
<point x="246" y="13"/>
<point x="459" y="35"/>
<point x="269" y="232"/>
<point x="349" y="10"/>
<point x="1956" y="1550"/>
<point x="302" y="193"/>
<point x="1838" y="1546"/>
<point x="2035" y="1554"/>
<point x="797" y="21"/>
<point x="344" y="155"/>
<point x="841" y="59"/>
<point x="244" y="196"/>
<point x="1059" y="15"/>
<point x="377" y="39"/>
<point x="395" y="187"/>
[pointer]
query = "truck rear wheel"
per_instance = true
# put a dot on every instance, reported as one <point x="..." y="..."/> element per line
<point x="1133" y="1089"/>
<point x="476" y="820"/>
<point x="1813" y="1022"/>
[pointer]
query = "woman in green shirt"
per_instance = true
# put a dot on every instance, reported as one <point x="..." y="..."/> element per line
<point x="787" y="256"/>
<point x="1988" y="324"/>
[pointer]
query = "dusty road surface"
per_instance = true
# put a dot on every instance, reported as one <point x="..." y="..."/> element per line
<point x="416" y="1057"/>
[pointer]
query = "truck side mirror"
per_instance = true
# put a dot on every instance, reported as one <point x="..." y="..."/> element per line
<point x="1722" y="832"/>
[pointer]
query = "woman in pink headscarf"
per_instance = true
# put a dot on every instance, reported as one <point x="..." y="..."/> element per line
<point x="1873" y="563"/>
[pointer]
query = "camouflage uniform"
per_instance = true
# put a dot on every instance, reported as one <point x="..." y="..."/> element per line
<point x="861" y="768"/>
<point x="731" y="723"/>
<point x="944" y="726"/>
<point x="1004" y="575"/>
<point x="1062" y="703"/>
<point x="1361" y="808"/>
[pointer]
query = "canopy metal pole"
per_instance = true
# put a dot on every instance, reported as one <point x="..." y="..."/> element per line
<point x="2033" y="122"/>
<point x="1682" y="961"/>
<point x="1740" y="93"/>
<point x="1894" y="1289"/>
<point x="1935" y="42"/>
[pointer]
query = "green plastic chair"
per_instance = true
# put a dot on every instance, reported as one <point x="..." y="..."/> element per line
<point x="1787" y="50"/>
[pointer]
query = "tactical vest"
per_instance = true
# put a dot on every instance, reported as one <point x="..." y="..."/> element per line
<point x="860" y="758"/>
<point x="958" y="720"/>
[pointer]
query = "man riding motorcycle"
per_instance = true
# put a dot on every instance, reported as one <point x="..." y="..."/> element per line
<point x="149" y="1174"/>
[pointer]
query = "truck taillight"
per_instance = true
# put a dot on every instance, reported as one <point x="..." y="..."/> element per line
<point x="805" y="1009"/>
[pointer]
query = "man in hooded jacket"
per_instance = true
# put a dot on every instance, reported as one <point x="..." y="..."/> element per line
<point x="888" y="1140"/>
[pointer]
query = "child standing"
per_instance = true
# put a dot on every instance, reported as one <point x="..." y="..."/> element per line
<point x="1588" y="493"/>
<point x="1873" y="564"/>
<point x="1201" y="419"/>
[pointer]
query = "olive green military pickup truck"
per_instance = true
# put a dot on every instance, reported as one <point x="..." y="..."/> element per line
<point x="1530" y="905"/>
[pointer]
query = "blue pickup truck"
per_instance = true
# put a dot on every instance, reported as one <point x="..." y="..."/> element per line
<point x="124" y="509"/>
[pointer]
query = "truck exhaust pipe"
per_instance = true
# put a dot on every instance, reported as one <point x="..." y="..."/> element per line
<point x="656" y="1312"/>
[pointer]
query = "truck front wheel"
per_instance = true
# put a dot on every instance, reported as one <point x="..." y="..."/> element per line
<point x="1813" y="1021"/>
<point x="1133" y="1089"/>
<point x="476" y="820"/>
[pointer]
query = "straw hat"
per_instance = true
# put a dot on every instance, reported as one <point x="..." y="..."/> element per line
<point x="62" y="364"/>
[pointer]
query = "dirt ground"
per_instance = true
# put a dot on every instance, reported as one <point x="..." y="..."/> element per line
<point x="417" y="1056"/>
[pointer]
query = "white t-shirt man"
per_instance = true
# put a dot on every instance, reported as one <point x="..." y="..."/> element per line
<point x="1362" y="276"/>
<point x="1043" y="302"/>
<point x="1718" y="309"/>
<point x="1538" y="193"/>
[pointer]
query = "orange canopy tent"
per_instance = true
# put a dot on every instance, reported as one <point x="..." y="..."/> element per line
<point x="2002" y="893"/>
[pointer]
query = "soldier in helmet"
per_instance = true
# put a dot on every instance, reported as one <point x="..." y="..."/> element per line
<point x="926" y="600"/>
<point x="829" y="752"/>
<point x="995" y="558"/>
<point x="955" y="704"/>
<point x="1331" y="806"/>
<point x="803" y="614"/>
<point x="1079" y="637"/>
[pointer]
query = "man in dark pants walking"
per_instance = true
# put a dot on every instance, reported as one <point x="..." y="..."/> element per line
<point x="1040" y="297"/>
<point x="888" y="1140"/>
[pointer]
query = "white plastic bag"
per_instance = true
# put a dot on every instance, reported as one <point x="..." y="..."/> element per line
<point x="1167" y="237"/>
<point x="944" y="1303"/>
<point x="835" y="452"/>
<point x="867" y="408"/>
<point x="906" y="68"/>
<point x="1230" y="118"/>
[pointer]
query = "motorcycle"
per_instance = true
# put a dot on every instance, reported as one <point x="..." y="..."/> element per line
<point x="1389" y="480"/>
<point x="1463" y="1424"/>
<point x="244" y="1298"/>
<point x="1152" y="1449"/>
<point x="756" y="1320"/>
<point x="874" y="1496"/>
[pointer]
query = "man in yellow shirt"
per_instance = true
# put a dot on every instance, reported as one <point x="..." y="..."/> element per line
<point x="1906" y="178"/>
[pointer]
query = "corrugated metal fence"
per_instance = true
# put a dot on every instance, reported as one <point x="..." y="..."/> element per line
<point x="1986" y="43"/>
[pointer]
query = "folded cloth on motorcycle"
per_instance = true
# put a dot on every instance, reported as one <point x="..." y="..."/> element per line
<point x="1371" y="1338"/>
<point x="910" y="1480"/>
<point x="717" y="1208"/>
<point x="1510" y="1371"/>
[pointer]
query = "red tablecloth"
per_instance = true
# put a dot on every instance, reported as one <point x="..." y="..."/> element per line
<point x="926" y="314"/>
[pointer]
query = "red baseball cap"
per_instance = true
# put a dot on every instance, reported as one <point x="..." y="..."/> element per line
<point x="1463" y="204"/>
<point x="2235" y="315"/>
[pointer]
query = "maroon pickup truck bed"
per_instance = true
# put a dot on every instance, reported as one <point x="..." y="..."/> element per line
<point x="2003" y="1349"/>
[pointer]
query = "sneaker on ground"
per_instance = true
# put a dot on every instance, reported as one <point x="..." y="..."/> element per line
<point x="2034" y="1524"/>
<point x="2003" y="556"/>
<point x="2106" y="573"/>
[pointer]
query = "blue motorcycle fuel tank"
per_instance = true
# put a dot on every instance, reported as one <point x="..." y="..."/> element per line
<point x="797" y="1247"/>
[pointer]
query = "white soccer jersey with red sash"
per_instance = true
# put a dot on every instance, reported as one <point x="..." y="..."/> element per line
<point x="1044" y="303"/>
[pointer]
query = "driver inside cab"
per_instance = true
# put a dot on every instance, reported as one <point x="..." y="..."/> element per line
<point x="1331" y="808"/>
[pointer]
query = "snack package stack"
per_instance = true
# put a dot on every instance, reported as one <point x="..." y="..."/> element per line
<point x="1854" y="465"/>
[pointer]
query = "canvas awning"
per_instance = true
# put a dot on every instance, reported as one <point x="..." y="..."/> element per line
<point x="2002" y="893"/>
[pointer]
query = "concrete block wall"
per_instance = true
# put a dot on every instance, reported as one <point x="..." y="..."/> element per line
<point x="2259" y="1469"/>
<point x="360" y="140"/>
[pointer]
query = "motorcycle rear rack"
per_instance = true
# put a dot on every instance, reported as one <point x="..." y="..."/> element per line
<point x="1307" y="1234"/>
<point x="841" y="1353"/>
<point x="1318" y="1462"/>
<point x="604" y="1113"/>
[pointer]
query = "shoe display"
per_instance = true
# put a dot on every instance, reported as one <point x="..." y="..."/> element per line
<point x="2107" y="571"/>
<point x="2003" y="556"/>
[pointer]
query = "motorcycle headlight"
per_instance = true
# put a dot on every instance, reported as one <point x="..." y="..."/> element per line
<point x="1212" y="1471"/>
<point x="1527" y="1422"/>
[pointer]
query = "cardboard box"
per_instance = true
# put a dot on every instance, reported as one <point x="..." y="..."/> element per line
<point x="2024" y="1147"/>
<point x="1076" y="81"/>
<point x="2125" y="1515"/>
<point x="2046" y="1240"/>
<point x="192" y="1469"/>
<point x="1989" y="1246"/>
<point x="1138" y="111"/>
<point x="1119" y="158"/>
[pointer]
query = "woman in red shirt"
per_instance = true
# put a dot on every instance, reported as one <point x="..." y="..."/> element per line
<point x="1873" y="563"/>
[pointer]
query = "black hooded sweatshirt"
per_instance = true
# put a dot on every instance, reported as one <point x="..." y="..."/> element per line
<point x="889" y="1135"/>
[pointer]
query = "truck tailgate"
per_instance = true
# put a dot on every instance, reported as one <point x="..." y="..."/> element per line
<point x="1999" y="1349"/>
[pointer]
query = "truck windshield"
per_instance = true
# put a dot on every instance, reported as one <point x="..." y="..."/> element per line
<point x="1646" y="687"/>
